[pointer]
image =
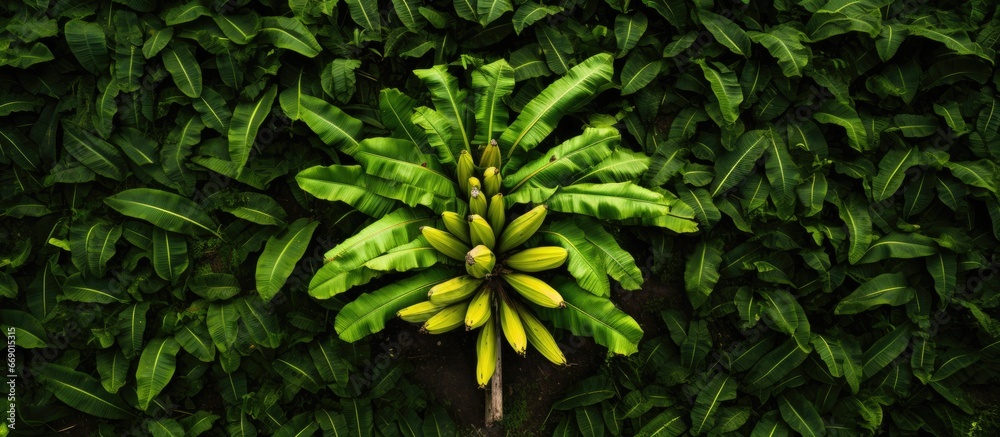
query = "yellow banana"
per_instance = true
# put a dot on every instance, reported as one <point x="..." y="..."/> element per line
<point x="540" y="338"/>
<point x="535" y="290"/>
<point x="496" y="215"/>
<point x="491" y="181"/>
<point x="453" y="290"/>
<point x="480" y="261"/>
<point x="445" y="242"/>
<point x="477" y="200"/>
<point x="522" y="228"/>
<point x="447" y="319"/>
<point x="491" y="155"/>
<point x="486" y="354"/>
<point x="479" y="309"/>
<point x="513" y="330"/>
<point x="466" y="168"/>
<point x="480" y="231"/>
<point x="420" y="312"/>
<point x="537" y="259"/>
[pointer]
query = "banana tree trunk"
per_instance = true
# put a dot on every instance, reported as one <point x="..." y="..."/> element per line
<point x="494" y="401"/>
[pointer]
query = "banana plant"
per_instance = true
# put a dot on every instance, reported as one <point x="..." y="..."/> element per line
<point x="473" y="258"/>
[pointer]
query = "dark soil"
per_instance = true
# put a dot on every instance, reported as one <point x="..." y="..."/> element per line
<point x="445" y="366"/>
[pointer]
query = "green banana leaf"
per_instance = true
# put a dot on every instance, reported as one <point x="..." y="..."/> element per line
<point x="491" y="83"/>
<point x="774" y="366"/>
<point x="584" y="261"/>
<point x="617" y="262"/>
<point x="615" y="201"/>
<point x="30" y="332"/>
<point x="702" y="271"/>
<point x="289" y="33"/>
<point x="169" y="255"/>
<point x="261" y="323"/>
<point x="397" y="116"/>
<point x="540" y="116"/>
<point x="622" y="166"/>
<point x="566" y="160"/>
<point x="257" y="208"/>
<point x="165" y="210"/>
<point x="349" y="184"/>
<point x="330" y="280"/>
<point x="131" y="326"/>
<point x="93" y="245"/>
<point x="368" y="313"/>
<point x="734" y="166"/>
<point x="113" y="368"/>
<point x="222" y="320"/>
<point x="394" y="229"/>
<point x="594" y="316"/>
<point x="721" y="388"/>
<point x="885" y="289"/>
<point x="417" y="254"/>
<point x="184" y="69"/>
<point x="81" y="391"/>
<point x="214" y="286"/>
<point x="93" y="152"/>
<point x="246" y="121"/>
<point x="156" y="368"/>
<point x="332" y="125"/>
<point x="280" y="255"/>
<point x="195" y="339"/>
<point x="401" y="161"/>
<point x="801" y="414"/>
<point x="450" y="101"/>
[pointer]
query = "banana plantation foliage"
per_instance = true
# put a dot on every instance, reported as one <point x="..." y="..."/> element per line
<point x="656" y="217"/>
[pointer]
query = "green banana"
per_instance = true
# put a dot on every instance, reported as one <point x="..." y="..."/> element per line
<point x="496" y="214"/>
<point x="447" y="319"/>
<point x="480" y="231"/>
<point x="445" y="242"/>
<point x="491" y="181"/>
<point x="479" y="308"/>
<point x="491" y="155"/>
<point x="535" y="290"/>
<point x="537" y="259"/>
<point x="513" y="330"/>
<point x="486" y="354"/>
<point x="420" y="312"/>
<point x="456" y="224"/>
<point x="522" y="228"/>
<point x="477" y="199"/>
<point x="479" y="262"/>
<point x="466" y="169"/>
<point x="453" y="290"/>
<point x="540" y="338"/>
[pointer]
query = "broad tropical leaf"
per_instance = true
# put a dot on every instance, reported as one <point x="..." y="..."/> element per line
<point x="587" y="314"/>
<point x="165" y="210"/>
<point x="156" y="369"/>
<point x="281" y="253"/>
<point x="884" y="289"/>
<point x="82" y="392"/>
<point x="368" y="313"/>
<point x="245" y="123"/>
<point x="540" y="115"/>
<point x="702" y="271"/>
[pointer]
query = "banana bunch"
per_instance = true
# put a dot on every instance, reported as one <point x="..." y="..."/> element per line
<point x="496" y="272"/>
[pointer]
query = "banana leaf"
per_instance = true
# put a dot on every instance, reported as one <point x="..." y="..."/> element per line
<point x="561" y="163"/>
<point x="81" y="391"/>
<point x="368" y="313"/>
<point x="593" y="316"/>
<point x="541" y="115"/>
